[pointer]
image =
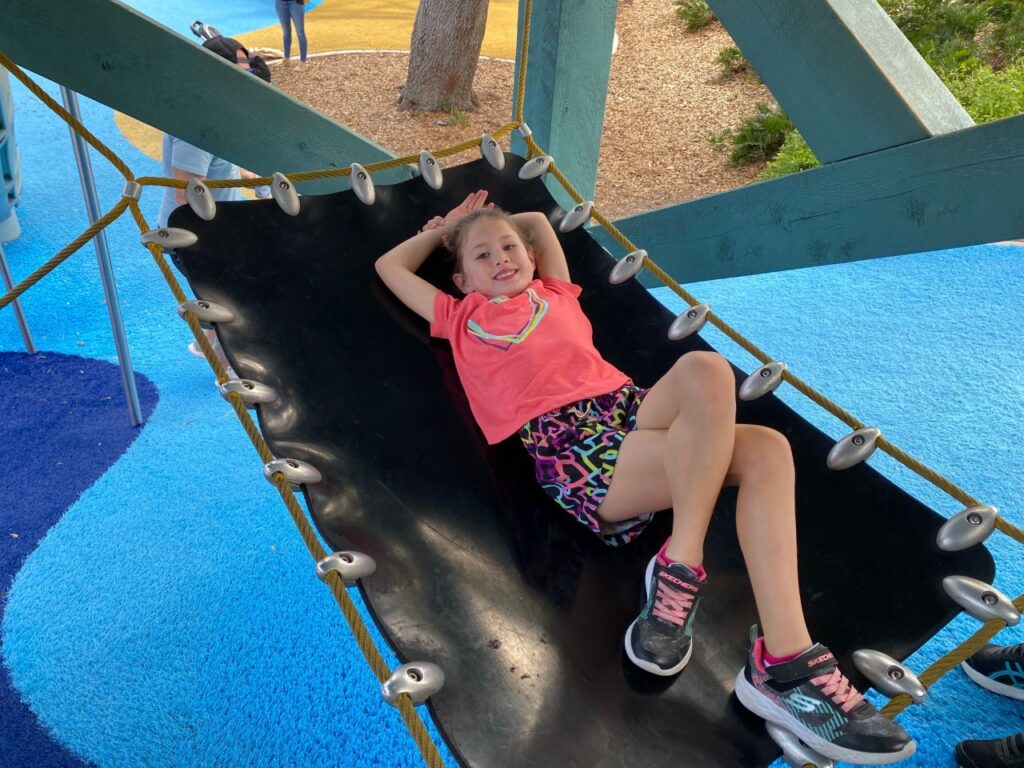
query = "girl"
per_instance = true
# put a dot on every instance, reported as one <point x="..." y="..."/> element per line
<point x="612" y="453"/>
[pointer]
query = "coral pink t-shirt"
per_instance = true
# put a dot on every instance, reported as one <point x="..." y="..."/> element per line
<point x="521" y="356"/>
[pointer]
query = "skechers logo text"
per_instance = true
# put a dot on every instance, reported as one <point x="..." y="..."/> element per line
<point x="820" y="659"/>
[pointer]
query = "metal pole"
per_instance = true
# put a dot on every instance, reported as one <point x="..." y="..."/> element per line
<point x="92" y="205"/>
<point x="30" y="347"/>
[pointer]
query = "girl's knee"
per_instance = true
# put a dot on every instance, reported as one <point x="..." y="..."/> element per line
<point x="709" y="374"/>
<point x="763" y="449"/>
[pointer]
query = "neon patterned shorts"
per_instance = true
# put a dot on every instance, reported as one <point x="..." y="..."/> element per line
<point x="574" y="449"/>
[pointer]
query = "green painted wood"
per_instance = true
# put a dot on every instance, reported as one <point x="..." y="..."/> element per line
<point x="843" y="72"/>
<point x="114" y="55"/>
<point x="958" y="189"/>
<point x="566" y="85"/>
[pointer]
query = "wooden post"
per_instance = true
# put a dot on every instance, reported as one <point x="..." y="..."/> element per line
<point x="843" y="72"/>
<point x="953" y="190"/>
<point x="566" y="85"/>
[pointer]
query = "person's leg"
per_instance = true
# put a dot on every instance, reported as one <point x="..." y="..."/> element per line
<point x="762" y="467"/>
<point x="299" y="18"/>
<point x="285" y="18"/>
<point x="694" y="404"/>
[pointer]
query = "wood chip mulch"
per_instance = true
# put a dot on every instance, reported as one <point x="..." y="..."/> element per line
<point x="666" y="95"/>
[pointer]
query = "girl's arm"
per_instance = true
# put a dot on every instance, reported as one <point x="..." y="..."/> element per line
<point x="546" y="248"/>
<point x="397" y="268"/>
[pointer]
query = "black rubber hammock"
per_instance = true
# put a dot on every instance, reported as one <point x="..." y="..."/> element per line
<point x="477" y="571"/>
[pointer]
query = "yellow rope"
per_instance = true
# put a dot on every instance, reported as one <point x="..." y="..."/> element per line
<point x="941" y="666"/>
<point x="64" y="115"/>
<point x="63" y="254"/>
<point x="427" y="748"/>
<point x="524" y="50"/>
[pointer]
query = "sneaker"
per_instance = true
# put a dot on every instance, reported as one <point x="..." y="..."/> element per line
<point x="994" y="753"/>
<point x="1000" y="669"/>
<point x="812" y="699"/>
<point x="660" y="639"/>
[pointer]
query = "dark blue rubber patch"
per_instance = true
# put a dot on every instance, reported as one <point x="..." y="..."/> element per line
<point x="64" y="419"/>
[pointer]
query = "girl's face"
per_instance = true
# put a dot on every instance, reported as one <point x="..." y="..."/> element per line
<point x="493" y="260"/>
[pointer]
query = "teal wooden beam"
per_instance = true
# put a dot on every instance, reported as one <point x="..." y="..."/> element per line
<point x="116" y="56"/>
<point x="843" y="72"/>
<point x="566" y="85"/>
<point x="953" y="190"/>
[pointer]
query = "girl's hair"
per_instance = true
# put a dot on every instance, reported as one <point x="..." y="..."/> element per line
<point x="456" y="238"/>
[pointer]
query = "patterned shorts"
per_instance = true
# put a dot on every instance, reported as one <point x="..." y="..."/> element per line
<point x="574" y="449"/>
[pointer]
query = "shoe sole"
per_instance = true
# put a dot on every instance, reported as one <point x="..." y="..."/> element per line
<point x="989" y="684"/>
<point x="768" y="710"/>
<point x="647" y="666"/>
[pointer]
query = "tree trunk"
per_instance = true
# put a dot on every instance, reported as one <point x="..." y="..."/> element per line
<point x="446" y="43"/>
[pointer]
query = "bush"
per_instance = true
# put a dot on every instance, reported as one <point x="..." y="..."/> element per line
<point x="758" y="138"/>
<point x="695" y="13"/>
<point x="794" y="156"/>
<point x="989" y="95"/>
<point x="732" y="61"/>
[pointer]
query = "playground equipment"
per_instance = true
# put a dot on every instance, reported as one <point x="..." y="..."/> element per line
<point x="932" y="158"/>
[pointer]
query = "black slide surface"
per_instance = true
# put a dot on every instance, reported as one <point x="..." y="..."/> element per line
<point x="477" y="570"/>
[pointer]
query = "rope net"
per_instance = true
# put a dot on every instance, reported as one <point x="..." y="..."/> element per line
<point x="427" y="748"/>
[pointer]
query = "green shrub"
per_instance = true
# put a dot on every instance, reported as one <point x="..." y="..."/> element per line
<point x="757" y="138"/>
<point x="794" y="156"/>
<point x="732" y="61"/>
<point x="988" y="95"/>
<point x="695" y="13"/>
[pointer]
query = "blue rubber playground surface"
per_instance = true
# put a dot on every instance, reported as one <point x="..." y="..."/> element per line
<point x="159" y="608"/>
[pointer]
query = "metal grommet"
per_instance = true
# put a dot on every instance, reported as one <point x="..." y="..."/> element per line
<point x="420" y="680"/>
<point x="490" y="150"/>
<point x="888" y="675"/>
<point x="576" y="217"/>
<point x="536" y="167"/>
<point x="284" y="194"/>
<point x="430" y="170"/>
<point x="251" y="392"/>
<point x="132" y="190"/>
<point x="981" y="600"/>
<point x="351" y="566"/>
<point x="854" y="448"/>
<point x="762" y="381"/>
<point x="971" y="526"/>
<point x="199" y="199"/>
<point x="362" y="184"/>
<point x="796" y="753"/>
<point x="628" y="266"/>
<point x="169" y="238"/>
<point x="295" y="471"/>
<point x="689" y="321"/>
<point x="206" y="311"/>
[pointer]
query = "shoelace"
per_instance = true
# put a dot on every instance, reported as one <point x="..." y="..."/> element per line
<point x="839" y="689"/>
<point x="671" y="605"/>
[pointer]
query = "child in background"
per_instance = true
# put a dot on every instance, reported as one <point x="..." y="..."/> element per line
<point x="611" y="454"/>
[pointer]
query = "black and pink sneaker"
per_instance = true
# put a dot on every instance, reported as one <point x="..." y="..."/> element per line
<point x="660" y="639"/>
<point x="812" y="699"/>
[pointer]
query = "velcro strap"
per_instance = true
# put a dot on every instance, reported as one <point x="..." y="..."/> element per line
<point x="815" y="661"/>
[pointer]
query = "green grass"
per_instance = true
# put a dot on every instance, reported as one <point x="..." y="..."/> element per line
<point x="695" y="13"/>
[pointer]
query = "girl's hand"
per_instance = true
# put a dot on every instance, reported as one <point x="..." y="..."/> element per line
<point x="434" y="223"/>
<point x="473" y="202"/>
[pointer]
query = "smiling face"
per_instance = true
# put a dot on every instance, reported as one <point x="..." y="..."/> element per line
<point x="493" y="260"/>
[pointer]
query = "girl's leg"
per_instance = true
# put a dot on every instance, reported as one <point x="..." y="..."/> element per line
<point x="675" y="459"/>
<point x="285" y="18"/>
<point x="695" y="403"/>
<point x="299" y="17"/>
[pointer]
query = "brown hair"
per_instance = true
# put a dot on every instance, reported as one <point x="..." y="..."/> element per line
<point x="456" y="238"/>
